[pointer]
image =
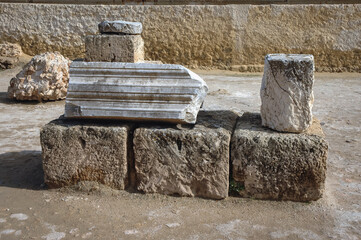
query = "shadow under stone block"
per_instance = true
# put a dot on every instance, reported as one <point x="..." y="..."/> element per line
<point x="279" y="166"/>
<point x="188" y="161"/>
<point x="76" y="151"/>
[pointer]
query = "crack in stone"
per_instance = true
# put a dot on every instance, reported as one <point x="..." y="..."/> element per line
<point x="274" y="77"/>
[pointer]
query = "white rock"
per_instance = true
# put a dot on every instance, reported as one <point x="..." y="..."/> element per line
<point x="286" y="92"/>
<point x="134" y="91"/>
<point x="45" y="77"/>
<point x="120" y="27"/>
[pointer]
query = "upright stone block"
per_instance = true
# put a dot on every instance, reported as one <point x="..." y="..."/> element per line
<point x="134" y="91"/>
<point x="76" y="151"/>
<point x="188" y="162"/>
<point x="286" y="92"/>
<point x="114" y="48"/>
<point x="279" y="166"/>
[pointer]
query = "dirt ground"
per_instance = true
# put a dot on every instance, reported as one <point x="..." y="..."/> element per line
<point x="28" y="210"/>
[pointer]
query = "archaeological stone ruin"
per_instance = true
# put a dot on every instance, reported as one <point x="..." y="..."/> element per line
<point x="131" y="124"/>
<point x="134" y="91"/>
<point x="119" y="41"/>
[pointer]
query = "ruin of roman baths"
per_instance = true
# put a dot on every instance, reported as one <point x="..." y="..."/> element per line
<point x="178" y="119"/>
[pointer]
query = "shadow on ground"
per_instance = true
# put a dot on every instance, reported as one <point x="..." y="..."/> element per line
<point x="4" y="99"/>
<point x="22" y="170"/>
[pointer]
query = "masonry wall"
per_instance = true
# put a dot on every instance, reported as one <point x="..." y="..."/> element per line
<point x="182" y="2"/>
<point x="198" y="36"/>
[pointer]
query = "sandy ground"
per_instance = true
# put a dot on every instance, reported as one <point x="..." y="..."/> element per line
<point x="30" y="211"/>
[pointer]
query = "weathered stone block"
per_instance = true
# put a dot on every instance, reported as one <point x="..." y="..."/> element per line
<point x="185" y="162"/>
<point x="114" y="48"/>
<point x="286" y="92"/>
<point x="121" y="27"/>
<point x="134" y="91"/>
<point x="85" y="151"/>
<point x="279" y="166"/>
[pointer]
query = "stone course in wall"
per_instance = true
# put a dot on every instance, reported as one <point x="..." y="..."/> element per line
<point x="202" y="36"/>
<point x="188" y="160"/>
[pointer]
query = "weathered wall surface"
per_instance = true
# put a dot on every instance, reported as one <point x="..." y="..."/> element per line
<point x="198" y="36"/>
<point x="182" y="2"/>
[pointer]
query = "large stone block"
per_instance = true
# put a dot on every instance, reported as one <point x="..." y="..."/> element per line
<point x="85" y="151"/>
<point x="114" y="48"/>
<point x="280" y="166"/>
<point x="134" y="91"/>
<point x="186" y="162"/>
<point x="286" y="92"/>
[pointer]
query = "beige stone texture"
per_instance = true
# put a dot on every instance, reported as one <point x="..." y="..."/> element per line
<point x="280" y="166"/>
<point x="206" y="36"/>
<point x="8" y="62"/>
<point x="114" y="48"/>
<point x="9" y="55"/>
<point x="188" y="161"/>
<point x="10" y="50"/>
<point x="75" y="151"/>
<point x="44" y="78"/>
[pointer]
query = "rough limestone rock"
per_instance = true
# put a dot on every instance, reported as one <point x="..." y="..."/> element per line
<point x="286" y="92"/>
<point x="75" y="151"/>
<point x="44" y="78"/>
<point x="280" y="166"/>
<point x="114" y="48"/>
<point x="134" y="91"/>
<point x="186" y="161"/>
<point x="9" y="55"/>
<point x="10" y="50"/>
<point x="121" y="27"/>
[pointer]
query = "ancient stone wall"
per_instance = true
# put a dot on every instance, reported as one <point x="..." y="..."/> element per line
<point x="182" y="2"/>
<point x="197" y="36"/>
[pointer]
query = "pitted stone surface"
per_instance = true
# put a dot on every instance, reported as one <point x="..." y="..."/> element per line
<point x="186" y="162"/>
<point x="44" y="78"/>
<point x="134" y="91"/>
<point x="286" y="92"/>
<point x="75" y="151"/>
<point x="279" y="166"/>
<point x="114" y="48"/>
<point x="10" y="50"/>
<point x="9" y="55"/>
<point x="120" y="27"/>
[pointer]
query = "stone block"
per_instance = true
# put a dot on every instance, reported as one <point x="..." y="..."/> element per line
<point x="114" y="48"/>
<point x="190" y="161"/>
<point x="280" y="166"/>
<point x="85" y="151"/>
<point x="286" y="92"/>
<point x="134" y="91"/>
<point x="120" y="27"/>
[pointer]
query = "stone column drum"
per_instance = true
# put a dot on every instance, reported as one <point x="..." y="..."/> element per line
<point x="119" y="42"/>
<point x="286" y="92"/>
